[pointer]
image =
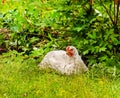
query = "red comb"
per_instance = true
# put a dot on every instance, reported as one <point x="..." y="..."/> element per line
<point x="68" y="48"/>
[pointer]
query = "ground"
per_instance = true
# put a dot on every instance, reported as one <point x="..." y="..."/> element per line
<point x="20" y="77"/>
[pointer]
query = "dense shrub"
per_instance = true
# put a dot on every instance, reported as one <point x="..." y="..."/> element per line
<point x="55" y="24"/>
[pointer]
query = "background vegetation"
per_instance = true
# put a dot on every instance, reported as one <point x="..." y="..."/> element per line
<point x="31" y="28"/>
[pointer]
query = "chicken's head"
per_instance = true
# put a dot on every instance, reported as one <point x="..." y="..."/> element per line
<point x="71" y="51"/>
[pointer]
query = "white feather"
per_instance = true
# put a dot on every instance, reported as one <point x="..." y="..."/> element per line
<point x="62" y="63"/>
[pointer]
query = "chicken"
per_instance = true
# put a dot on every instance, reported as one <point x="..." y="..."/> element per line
<point x="66" y="62"/>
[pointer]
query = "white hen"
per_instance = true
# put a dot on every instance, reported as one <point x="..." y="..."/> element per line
<point x="65" y="62"/>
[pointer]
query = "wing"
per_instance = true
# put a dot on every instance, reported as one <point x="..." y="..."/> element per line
<point x="54" y="59"/>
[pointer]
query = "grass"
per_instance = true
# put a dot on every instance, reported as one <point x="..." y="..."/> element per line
<point x="20" y="77"/>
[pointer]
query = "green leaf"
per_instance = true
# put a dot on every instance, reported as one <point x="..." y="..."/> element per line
<point x="102" y="49"/>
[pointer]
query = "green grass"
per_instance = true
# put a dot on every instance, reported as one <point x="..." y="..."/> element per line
<point x="20" y="77"/>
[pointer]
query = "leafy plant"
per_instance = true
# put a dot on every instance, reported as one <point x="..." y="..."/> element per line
<point x="91" y="27"/>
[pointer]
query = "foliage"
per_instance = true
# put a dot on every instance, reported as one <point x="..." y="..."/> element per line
<point x="52" y="25"/>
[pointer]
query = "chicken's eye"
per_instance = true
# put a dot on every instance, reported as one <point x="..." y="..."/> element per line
<point x="71" y="49"/>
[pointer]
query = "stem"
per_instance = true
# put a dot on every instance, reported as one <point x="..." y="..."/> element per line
<point x="117" y="11"/>
<point x="91" y="2"/>
<point x="109" y="14"/>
